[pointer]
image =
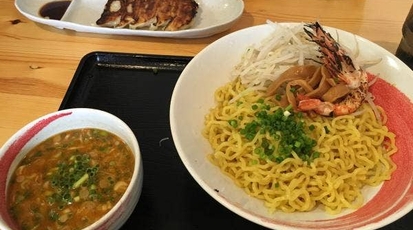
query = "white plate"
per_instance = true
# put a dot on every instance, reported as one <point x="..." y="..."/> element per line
<point x="193" y="97"/>
<point x="214" y="16"/>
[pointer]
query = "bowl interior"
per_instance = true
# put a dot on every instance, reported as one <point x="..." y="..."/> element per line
<point x="193" y="97"/>
<point x="39" y="130"/>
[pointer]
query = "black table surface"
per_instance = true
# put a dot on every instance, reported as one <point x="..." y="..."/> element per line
<point x="137" y="88"/>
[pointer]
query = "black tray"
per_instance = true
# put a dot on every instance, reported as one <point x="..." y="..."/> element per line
<point x="137" y="88"/>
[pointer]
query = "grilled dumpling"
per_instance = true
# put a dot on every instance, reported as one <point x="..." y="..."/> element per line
<point x="168" y="15"/>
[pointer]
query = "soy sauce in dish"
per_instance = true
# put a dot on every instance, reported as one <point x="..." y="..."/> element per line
<point x="54" y="10"/>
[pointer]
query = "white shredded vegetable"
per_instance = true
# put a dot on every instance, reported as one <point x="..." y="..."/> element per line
<point x="370" y="100"/>
<point x="287" y="46"/>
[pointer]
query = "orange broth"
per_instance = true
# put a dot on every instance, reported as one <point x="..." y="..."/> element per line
<point x="70" y="180"/>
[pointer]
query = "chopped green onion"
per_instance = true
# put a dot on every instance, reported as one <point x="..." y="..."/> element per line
<point x="53" y="215"/>
<point x="288" y="108"/>
<point x="69" y="176"/>
<point x="103" y="133"/>
<point x="286" y="128"/>
<point x="81" y="180"/>
<point x="253" y="162"/>
<point x="233" y="123"/>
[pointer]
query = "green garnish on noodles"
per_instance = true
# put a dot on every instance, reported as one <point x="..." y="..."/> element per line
<point x="287" y="131"/>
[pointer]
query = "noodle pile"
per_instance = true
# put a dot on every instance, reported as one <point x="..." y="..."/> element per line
<point x="354" y="151"/>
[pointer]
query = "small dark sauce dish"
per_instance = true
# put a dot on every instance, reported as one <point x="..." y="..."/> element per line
<point x="54" y="10"/>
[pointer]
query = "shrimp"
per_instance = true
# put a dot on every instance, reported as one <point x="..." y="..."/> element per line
<point x="341" y="66"/>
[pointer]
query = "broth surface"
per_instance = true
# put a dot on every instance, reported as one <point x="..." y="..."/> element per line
<point x="70" y="180"/>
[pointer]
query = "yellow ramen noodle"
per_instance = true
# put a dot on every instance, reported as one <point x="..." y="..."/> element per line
<point x="354" y="151"/>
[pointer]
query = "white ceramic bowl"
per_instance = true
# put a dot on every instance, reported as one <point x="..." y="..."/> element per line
<point x="193" y="97"/>
<point x="42" y="128"/>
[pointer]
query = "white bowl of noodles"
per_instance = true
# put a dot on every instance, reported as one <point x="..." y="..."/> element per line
<point x="193" y="98"/>
<point x="99" y="158"/>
